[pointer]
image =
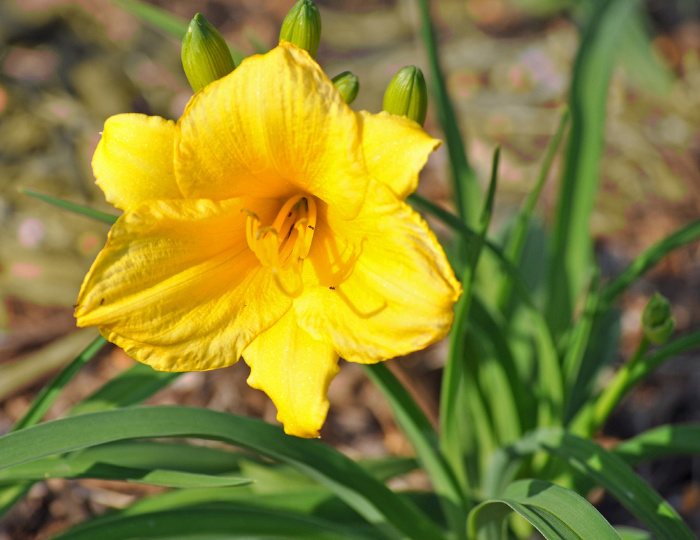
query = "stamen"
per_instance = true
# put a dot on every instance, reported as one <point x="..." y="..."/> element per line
<point x="300" y="250"/>
<point x="287" y="241"/>
<point x="311" y="227"/>
<point x="287" y="247"/>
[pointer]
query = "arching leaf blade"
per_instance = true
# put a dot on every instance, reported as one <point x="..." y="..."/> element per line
<point x="390" y="513"/>
<point x="556" y="512"/>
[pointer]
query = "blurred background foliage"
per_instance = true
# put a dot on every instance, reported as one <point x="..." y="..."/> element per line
<point x="66" y="67"/>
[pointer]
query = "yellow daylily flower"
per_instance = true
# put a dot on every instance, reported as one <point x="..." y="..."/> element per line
<point x="269" y="222"/>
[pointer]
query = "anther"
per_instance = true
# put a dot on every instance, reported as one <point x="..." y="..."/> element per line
<point x="287" y="240"/>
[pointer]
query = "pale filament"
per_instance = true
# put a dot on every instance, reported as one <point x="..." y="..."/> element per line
<point x="287" y="241"/>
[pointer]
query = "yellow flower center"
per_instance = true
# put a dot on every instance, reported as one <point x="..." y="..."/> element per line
<point x="288" y="239"/>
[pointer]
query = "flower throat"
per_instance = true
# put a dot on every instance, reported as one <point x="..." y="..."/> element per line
<point x="288" y="239"/>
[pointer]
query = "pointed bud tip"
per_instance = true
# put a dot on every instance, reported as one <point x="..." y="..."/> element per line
<point x="302" y="26"/>
<point x="199" y="25"/>
<point x="348" y="85"/>
<point x="205" y="55"/>
<point x="407" y="94"/>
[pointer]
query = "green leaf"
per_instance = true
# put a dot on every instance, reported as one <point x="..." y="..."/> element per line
<point x="596" y="412"/>
<point x="166" y="21"/>
<point x="311" y="500"/>
<point x="158" y="17"/>
<point x="498" y="377"/>
<point x="630" y="533"/>
<point x="556" y="512"/>
<point x="303" y="499"/>
<point x="215" y="520"/>
<point x="467" y="193"/>
<point x="130" y="387"/>
<point x="73" y="207"/>
<point x="472" y="236"/>
<point x="373" y="500"/>
<point x="422" y="436"/>
<point x="652" y="361"/>
<point x="27" y="370"/>
<point x="57" y="355"/>
<point x="12" y="494"/>
<point x="572" y="243"/>
<point x="389" y="467"/>
<point x="160" y="455"/>
<point x="470" y="437"/>
<point x="578" y="345"/>
<point x="600" y="466"/>
<point x="660" y="442"/>
<point x="518" y="234"/>
<point x="550" y="390"/>
<point x="50" y="392"/>
<point x="84" y="468"/>
<point x="458" y="392"/>
<point x="647" y="259"/>
<point x="601" y="351"/>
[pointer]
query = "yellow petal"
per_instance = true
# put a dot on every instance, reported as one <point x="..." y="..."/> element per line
<point x="177" y="287"/>
<point x="272" y="128"/>
<point x="295" y="370"/>
<point x="396" y="149"/>
<point x="134" y="160"/>
<point x="384" y="288"/>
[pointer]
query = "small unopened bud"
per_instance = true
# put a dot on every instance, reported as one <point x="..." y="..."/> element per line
<point x="348" y="85"/>
<point x="302" y="26"/>
<point x="407" y="94"/>
<point x="657" y="320"/>
<point x="205" y="55"/>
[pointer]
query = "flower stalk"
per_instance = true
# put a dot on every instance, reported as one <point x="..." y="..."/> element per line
<point x="623" y="382"/>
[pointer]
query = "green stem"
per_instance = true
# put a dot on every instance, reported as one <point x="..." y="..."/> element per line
<point x="621" y="384"/>
<point x="594" y="414"/>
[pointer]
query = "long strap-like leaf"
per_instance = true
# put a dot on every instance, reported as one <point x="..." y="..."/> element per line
<point x="572" y="247"/>
<point x="370" y="498"/>
<point x="601" y="467"/>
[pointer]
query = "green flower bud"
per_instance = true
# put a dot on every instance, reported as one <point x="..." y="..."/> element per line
<point x="205" y="55"/>
<point x="657" y="320"/>
<point x="302" y="26"/>
<point x="407" y="94"/>
<point x="348" y="85"/>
